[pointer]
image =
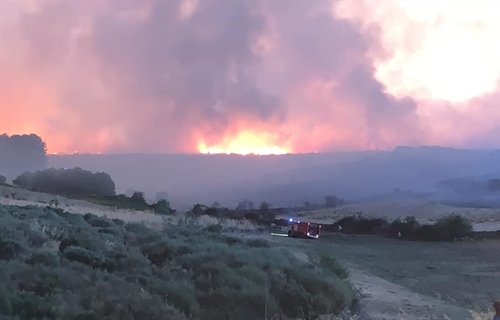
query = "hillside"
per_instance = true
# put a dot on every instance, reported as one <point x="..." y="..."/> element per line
<point x="179" y="266"/>
<point x="285" y="180"/>
<point x="60" y="265"/>
<point x="395" y="206"/>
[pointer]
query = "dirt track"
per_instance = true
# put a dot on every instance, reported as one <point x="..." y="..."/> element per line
<point x="415" y="280"/>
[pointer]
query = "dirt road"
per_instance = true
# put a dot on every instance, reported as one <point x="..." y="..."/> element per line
<point x="415" y="280"/>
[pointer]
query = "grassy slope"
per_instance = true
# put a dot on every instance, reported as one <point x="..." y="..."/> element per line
<point x="424" y="211"/>
<point x="58" y="265"/>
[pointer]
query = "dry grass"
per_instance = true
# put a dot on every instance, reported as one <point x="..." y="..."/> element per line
<point x="20" y="197"/>
<point x="481" y="315"/>
<point x="425" y="212"/>
<point x="349" y="316"/>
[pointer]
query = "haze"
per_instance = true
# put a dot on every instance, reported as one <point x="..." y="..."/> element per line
<point x="439" y="174"/>
<point x="350" y="80"/>
<point x="249" y="76"/>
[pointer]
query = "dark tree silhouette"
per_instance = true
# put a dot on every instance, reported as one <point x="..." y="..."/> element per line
<point x="138" y="196"/>
<point x="332" y="201"/>
<point x="76" y="181"/>
<point x="245" y="205"/>
<point x="21" y="153"/>
<point x="198" y="209"/>
<point x="3" y="179"/>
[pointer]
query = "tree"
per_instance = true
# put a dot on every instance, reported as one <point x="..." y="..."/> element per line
<point x="245" y="205"/>
<point x="265" y="211"/>
<point x="20" y="153"/>
<point x="3" y="179"/>
<point x="138" y="196"/>
<point x="198" y="209"/>
<point x="162" y="207"/>
<point x="332" y="201"/>
<point x="67" y="182"/>
<point x="264" y="208"/>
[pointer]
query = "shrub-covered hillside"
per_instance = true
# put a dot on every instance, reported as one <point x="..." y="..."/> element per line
<point x="57" y="265"/>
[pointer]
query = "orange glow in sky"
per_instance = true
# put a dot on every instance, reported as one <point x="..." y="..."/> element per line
<point x="428" y="75"/>
<point x="245" y="143"/>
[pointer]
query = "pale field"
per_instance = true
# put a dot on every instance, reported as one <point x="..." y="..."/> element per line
<point x="20" y="197"/>
<point x="425" y="212"/>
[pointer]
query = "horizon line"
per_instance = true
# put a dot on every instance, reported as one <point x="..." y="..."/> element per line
<point x="271" y="155"/>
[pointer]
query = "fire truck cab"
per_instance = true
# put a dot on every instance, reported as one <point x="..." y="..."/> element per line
<point x="302" y="229"/>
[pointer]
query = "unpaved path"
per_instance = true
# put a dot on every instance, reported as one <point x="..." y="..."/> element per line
<point x="411" y="280"/>
<point x="382" y="299"/>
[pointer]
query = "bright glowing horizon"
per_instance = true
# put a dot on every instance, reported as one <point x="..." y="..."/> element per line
<point x="248" y="77"/>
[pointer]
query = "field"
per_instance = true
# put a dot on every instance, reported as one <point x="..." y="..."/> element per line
<point x="395" y="279"/>
<point x="426" y="212"/>
<point x="415" y="280"/>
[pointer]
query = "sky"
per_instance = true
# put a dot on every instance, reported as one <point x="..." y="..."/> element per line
<point x="250" y="76"/>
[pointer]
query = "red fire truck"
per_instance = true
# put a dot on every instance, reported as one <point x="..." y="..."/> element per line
<point x="302" y="229"/>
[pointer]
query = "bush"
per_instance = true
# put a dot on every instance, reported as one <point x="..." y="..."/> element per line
<point x="361" y="225"/>
<point x="333" y="265"/>
<point x="448" y="228"/>
<point x="427" y="232"/>
<point x="407" y="227"/>
<point x="452" y="227"/>
<point x="108" y="270"/>
<point x="162" y="207"/>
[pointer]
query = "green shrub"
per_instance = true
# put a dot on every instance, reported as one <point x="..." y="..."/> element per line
<point x="361" y="225"/>
<point x="329" y="263"/>
<point x="162" y="207"/>
<point x="104" y="270"/>
<point x="92" y="259"/>
<point x="43" y="257"/>
<point x="96" y="221"/>
<point x="407" y="227"/>
<point x="427" y="233"/>
<point x="10" y="249"/>
<point x="215" y="228"/>
<point x="232" y="240"/>
<point x="258" y="243"/>
<point x="448" y="228"/>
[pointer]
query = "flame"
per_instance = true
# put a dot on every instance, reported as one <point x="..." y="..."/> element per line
<point x="245" y="143"/>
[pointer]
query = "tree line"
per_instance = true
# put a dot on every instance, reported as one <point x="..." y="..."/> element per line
<point x="20" y="153"/>
<point x="67" y="182"/>
<point x="96" y="187"/>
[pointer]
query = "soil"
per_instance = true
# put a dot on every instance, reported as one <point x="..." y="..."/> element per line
<point x="415" y="280"/>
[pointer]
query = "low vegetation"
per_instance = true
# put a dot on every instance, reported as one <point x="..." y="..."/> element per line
<point x="97" y="188"/>
<point x="57" y="265"/>
<point x="449" y="228"/>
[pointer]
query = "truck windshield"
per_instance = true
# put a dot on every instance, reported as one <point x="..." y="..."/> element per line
<point x="314" y="228"/>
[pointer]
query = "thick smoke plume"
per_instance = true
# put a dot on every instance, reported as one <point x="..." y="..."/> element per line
<point x="176" y="76"/>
